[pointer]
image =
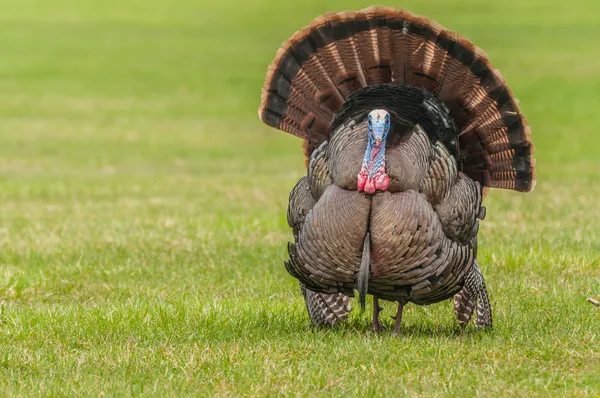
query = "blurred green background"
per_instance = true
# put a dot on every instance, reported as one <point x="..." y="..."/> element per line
<point x="142" y="206"/>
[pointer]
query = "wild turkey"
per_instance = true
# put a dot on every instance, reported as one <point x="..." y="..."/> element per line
<point x="405" y="127"/>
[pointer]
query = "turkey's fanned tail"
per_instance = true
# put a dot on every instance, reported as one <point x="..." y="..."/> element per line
<point x="322" y="65"/>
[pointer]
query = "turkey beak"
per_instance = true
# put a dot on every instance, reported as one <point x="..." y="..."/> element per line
<point x="378" y="141"/>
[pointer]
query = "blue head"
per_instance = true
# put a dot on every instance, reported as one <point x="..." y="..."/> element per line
<point x="379" y="126"/>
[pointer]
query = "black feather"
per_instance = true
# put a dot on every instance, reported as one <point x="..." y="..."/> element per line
<point x="408" y="106"/>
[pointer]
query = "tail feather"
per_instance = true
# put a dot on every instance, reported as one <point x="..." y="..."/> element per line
<point x="322" y="65"/>
<point x="400" y="54"/>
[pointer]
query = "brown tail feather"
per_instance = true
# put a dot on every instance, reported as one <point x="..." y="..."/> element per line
<point x="319" y="67"/>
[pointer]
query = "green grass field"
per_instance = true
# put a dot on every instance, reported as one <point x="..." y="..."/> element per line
<point x="143" y="227"/>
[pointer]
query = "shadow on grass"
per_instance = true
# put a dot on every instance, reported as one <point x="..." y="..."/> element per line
<point x="409" y="329"/>
<point x="262" y="323"/>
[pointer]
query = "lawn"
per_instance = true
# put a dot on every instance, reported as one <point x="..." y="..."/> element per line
<point x="143" y="227"/>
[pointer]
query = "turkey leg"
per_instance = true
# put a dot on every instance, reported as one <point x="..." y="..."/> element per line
<point x="377" y="326"/>
<point x="398" y="318"/>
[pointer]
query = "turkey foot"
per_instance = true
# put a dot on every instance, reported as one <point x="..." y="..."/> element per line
<point x="398" y="318"/>
<point x="377" y="326"/>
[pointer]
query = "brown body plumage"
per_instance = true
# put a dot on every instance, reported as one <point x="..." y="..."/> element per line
<point x="456" y="129"/>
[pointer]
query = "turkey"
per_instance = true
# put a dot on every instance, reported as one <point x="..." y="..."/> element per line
<point x="405" y="125"/>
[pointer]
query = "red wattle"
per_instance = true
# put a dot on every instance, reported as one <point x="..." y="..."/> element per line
<point x="370" y="186"/>
<point x="362" y="180"/>
<point x="382" y="182"/>
<point x="379" y="182"/>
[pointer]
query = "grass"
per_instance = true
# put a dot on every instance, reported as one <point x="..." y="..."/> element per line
<point x="142" y="211"/>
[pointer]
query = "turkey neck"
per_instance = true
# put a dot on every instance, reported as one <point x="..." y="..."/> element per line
<point x="374" y="158"/>
<point x="372" y="176"/>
